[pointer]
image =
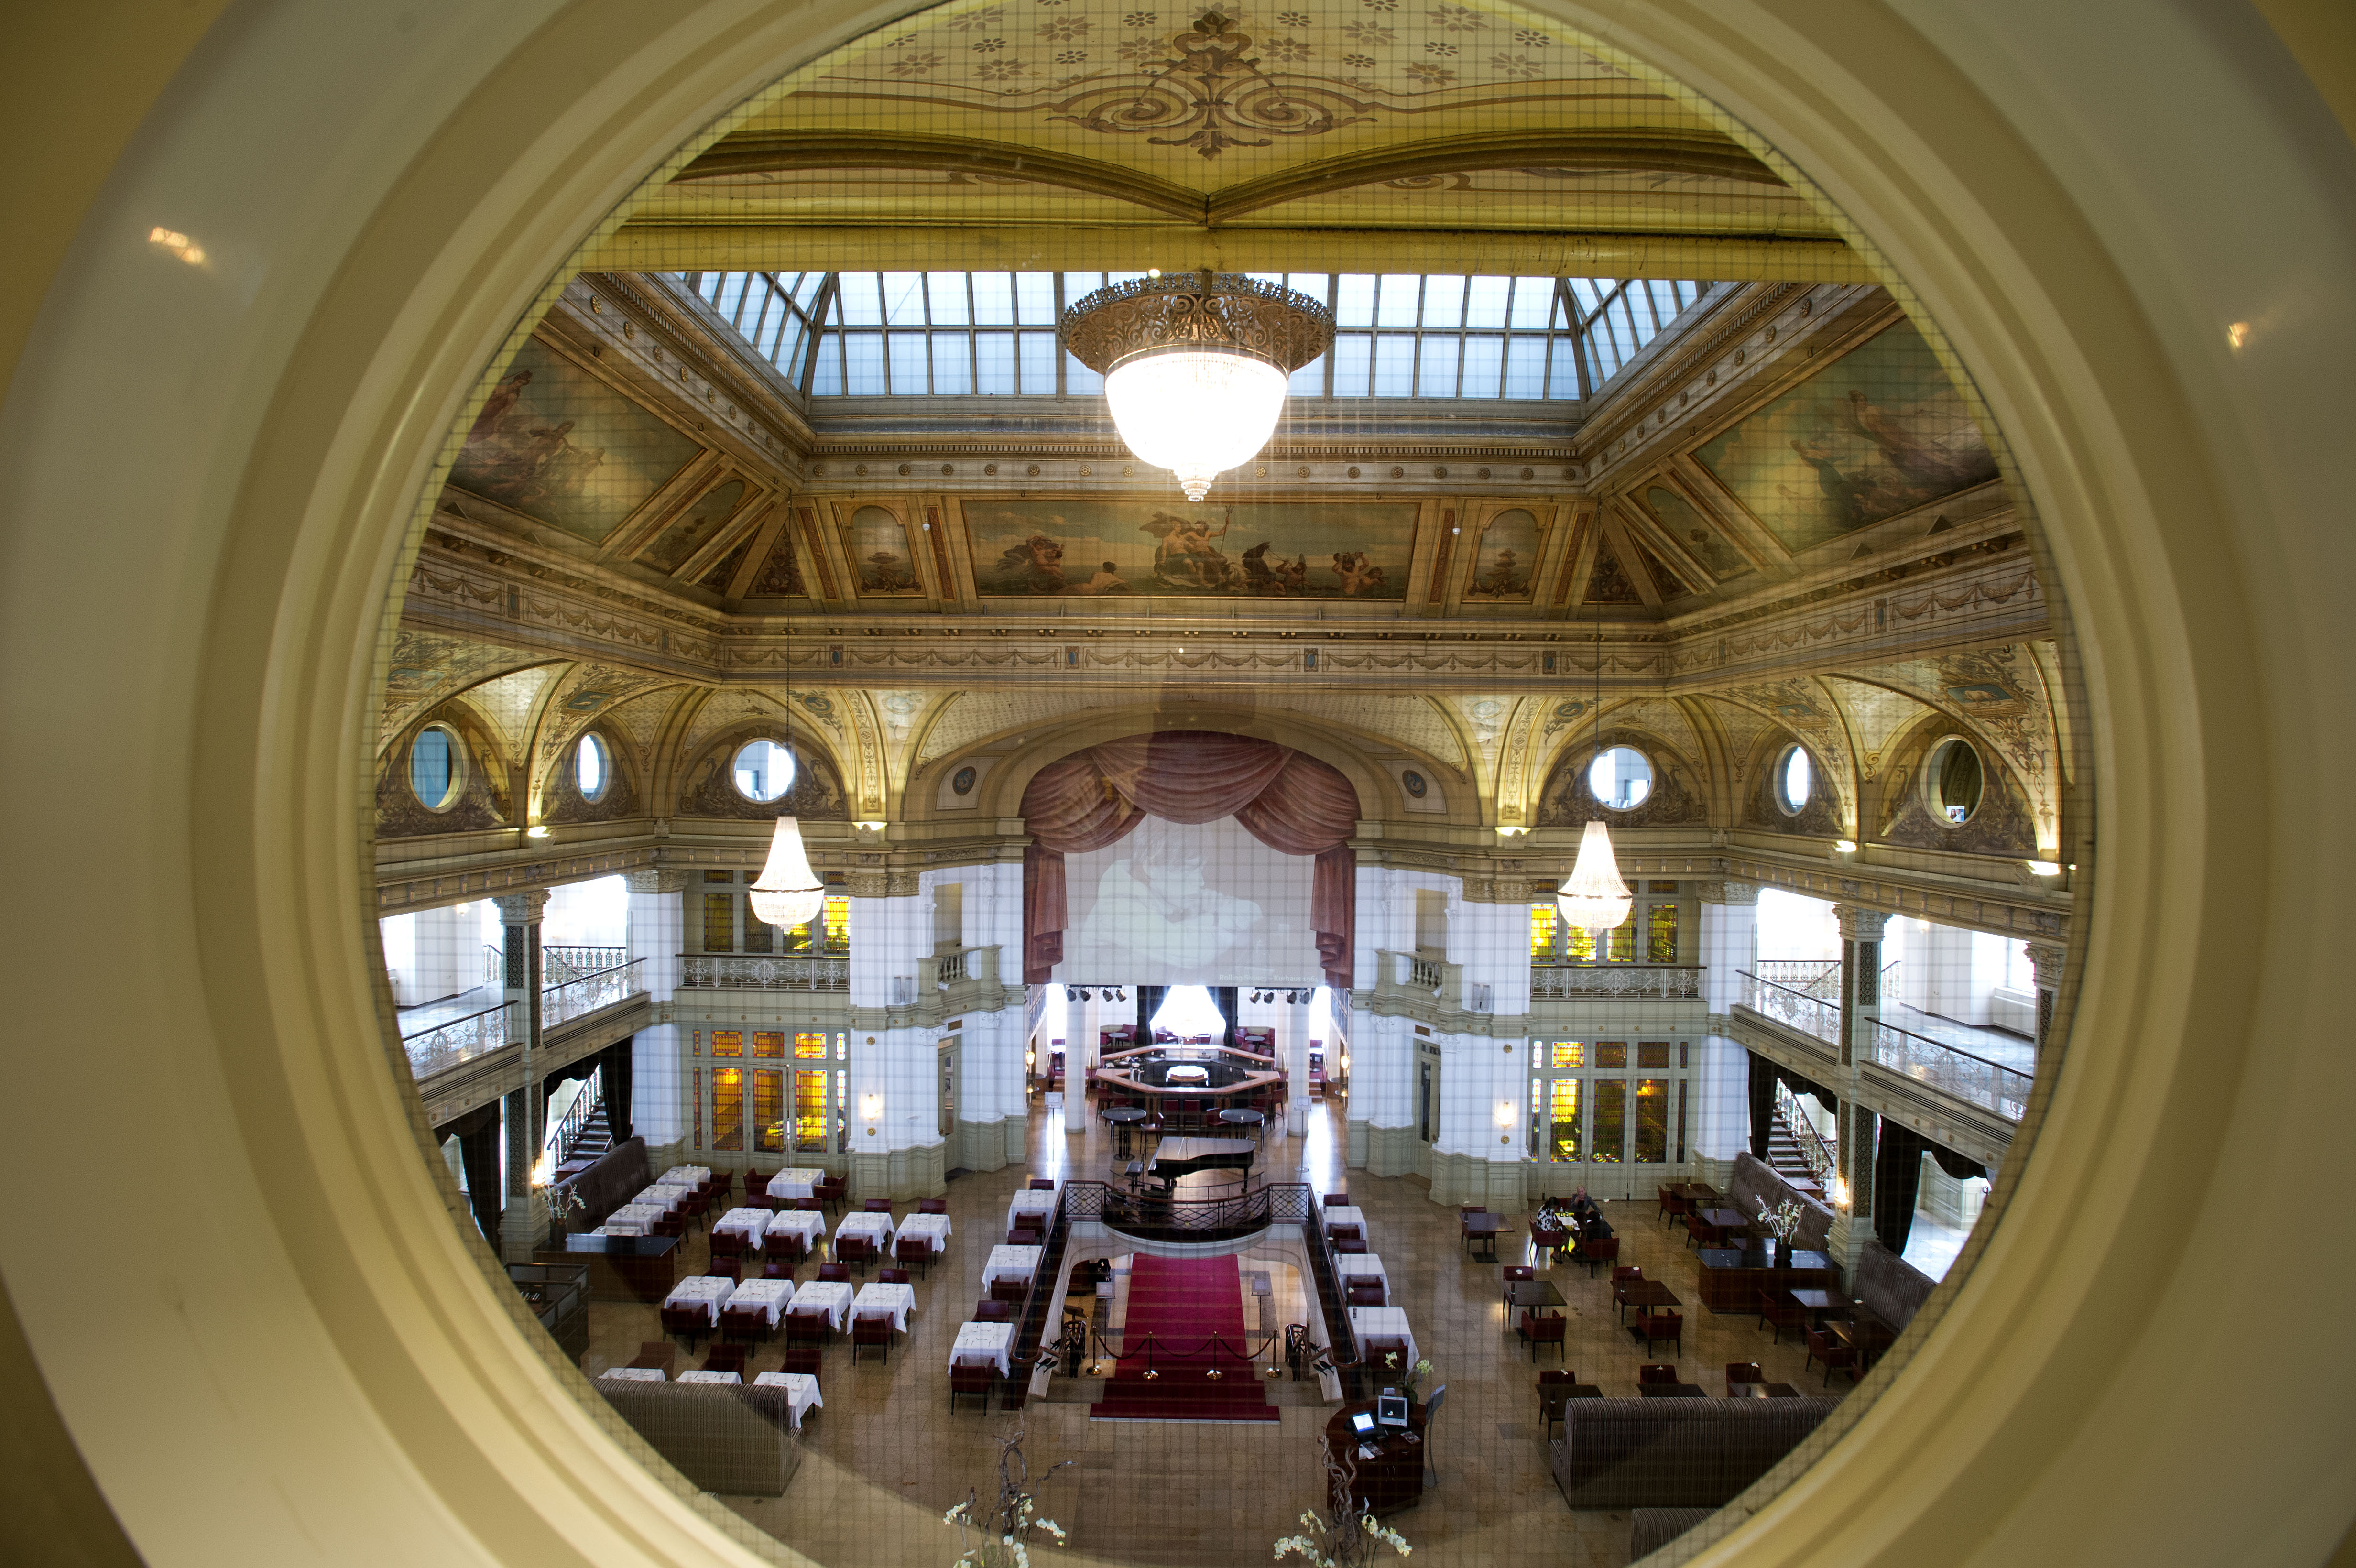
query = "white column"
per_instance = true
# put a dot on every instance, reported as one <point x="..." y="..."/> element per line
<point x="523" y="1225"/>
<point x="2045" y="963"/>
<point x="1730" y="945"/>
<point x="1860" y="931"/>
<point x="654" y="933"/>
<point x="1293" y="1041"/>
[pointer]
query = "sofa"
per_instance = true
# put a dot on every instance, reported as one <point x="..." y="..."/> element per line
<point x="1892" y="1289"/>
<point x="1650" y="1529"/>
<point x="620" y="1174"/>
<point x="1754" y="1178"/>
<point x="1673" y="1452"/>
<point x="737" y="1441"/>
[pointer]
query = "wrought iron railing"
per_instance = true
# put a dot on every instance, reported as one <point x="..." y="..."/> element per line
<point x="1809" y="1014"/>
<point x="1818" y="978"/>
<point x="1974" y="1079"/>
<point x="749" y="972"/>
<point x="587" y="1106"/>
<point x="578" y="998"/>
<point x="444" y="1046"/>
<point x="1619" y="982"/>
<point x="1816" y="1149"/>
<point x="562" y="965"/>
<point x="1194" y="1219"/>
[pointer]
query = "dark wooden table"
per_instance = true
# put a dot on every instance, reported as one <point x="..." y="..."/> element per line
<point x="1642" y="1293"/>
<point x="640" y="1269"/>
<point x="1867" y="1336"/>
<point x="1764" y="1390"/>
<point x="1672" y="1391"/>
<point x="1391" y="1477"/>
<point x="1723" y="1220"/>
<point x="1483" y="1230"/>
<point x="1732" y="1277"/>
<point x="1818" y="1303"/>
<point x="1534" y="1293"/>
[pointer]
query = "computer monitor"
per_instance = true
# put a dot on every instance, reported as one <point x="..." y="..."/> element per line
<point x="1390" y="1408"/>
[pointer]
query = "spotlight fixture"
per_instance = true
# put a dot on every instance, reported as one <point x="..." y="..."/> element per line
<point x="1195" y="363"/>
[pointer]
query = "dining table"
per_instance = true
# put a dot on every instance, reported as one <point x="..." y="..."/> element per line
<point x="1009" y="1262"/>
<point x="1817" y="1303"/>
<point x="1631" y="1293"/>
<point x="752" y="1224"/>
<point x="894" y="1299"/>
<point x="993" y="1340"/>
<point x="796" y="1182"/>
<point x="1038" y="1207"/>
<point x="876" y="1227"/>
<point x="1481" y="1231"/>
<point x="1383" y="1323"/>
<point x="1346" y="1214"/>
<point x="831" y="1295"/>
<point x="801" y="1391"/>
<point x="933" y="1229"/>
<point x="706" y="1377"/>
<point x="635" y="1374"/>
<point x="1362" y="1265"/>
<point x="709" y="1292"/>
<point x="687" y="1175"/>
<point x="772" y="1295"/>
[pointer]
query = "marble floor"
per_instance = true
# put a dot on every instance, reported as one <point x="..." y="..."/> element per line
<point x="884" y="1459"/>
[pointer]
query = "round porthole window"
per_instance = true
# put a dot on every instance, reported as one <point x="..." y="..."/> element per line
<point x="591" y="766"/>
<point x="1795" y="780"/>
<point x="1620" y="778"/>
<point x="764" y="770"/>
<point x="433" y="767"/>
<point x="1953" y="781"/>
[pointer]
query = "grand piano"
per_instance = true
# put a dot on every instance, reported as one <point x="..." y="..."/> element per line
<point x="1176" y="1158"/>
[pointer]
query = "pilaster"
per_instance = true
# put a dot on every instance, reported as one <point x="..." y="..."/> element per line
<point x="2046" y="962"/>
<point x="1729" y="947"/>
<point x="1861" y="928"/>
<point x="523" y="1224"/>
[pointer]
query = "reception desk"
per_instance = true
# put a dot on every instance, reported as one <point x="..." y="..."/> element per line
<point x="1392" y="1478"/>
<point x="621" y="1268"/>
<point x="1732" y="1277"/>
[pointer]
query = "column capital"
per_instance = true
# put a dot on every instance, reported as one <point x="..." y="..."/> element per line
<point x="522" y="909"/>
<point x="658" y="882"/>
<point x="1859" y="923"/>
<point x="1727" y="891"/>
<point x="2045" y="961"/>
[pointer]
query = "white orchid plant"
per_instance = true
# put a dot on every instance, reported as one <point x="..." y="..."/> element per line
<point x="1352" y="1538"/>
<point x="999" y="1536"/>
<point x="1781" y="1220"/>
<point x="1409" y="1379"/>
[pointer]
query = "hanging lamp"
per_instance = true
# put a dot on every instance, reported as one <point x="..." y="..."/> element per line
<point x="788" y="893"/>
<point x="1594" y="899"/>
<point x="1195" y="364"/>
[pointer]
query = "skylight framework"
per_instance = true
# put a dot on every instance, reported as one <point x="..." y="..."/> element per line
<point x="874" y="334"/>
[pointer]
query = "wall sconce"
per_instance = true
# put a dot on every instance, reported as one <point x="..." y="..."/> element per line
<point x="870" y="1110"/>
<point x="2044" y="869"/>
<point x="1840" y="1193"/>
<point x="1509" y="832"/>
<point x="537" y="830"/>
<point x="870" y="830"/>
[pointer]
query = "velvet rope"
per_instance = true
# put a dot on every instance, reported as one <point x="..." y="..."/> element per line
<point x="1291" y="802"/>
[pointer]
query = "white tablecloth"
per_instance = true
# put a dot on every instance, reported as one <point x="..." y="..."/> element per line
<point x="707" y="1291"/>
<point x="833" y="1295"/>
<point x="641" y="1215"/>
<point x="692" y="1174"/>
<point x="932" y="1229"/>
<point x="876" y="1227"/>
<point x="1041" y="1204"/>
<point x="801" y="1390"/>
<point x="1347" y="1265"/>
<point x="635" y="1374"/>
<point x="799" y="1222"/>
<point x="1382" y="1322"/>
<point x="772" y="1294"/>
<point x="659" y="1196"/>
<point x="796" y="1183"/>
<point x="894" y="1299"/>
<point x="749" y="1223"/>
<point x="1346" y="1215"/>
<point x="623" y="1227"/>
<point x="711" y="1378"/>
<point x="995" y="1340"/>
<point x="1009" y="1262"/>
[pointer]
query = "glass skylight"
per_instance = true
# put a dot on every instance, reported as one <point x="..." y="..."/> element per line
<point x="876" y="335"/>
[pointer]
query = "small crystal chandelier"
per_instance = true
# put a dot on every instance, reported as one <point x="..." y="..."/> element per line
<point x="1594" y="899"/>
<point x="1194" y="363"/>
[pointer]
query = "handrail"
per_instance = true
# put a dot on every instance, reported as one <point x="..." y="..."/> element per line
<point x="495" y="965"/>
<point x="1999" y="1088"/>
<point x="1809" y="1014"/>
<point x="1809" y="977"/>
<point x="577" y="998"/>
<point x="1951" y="1050"/>
<point x="756" y="971"/>
<point x="446" y="1045"/>
<point x="561" y="965"/>
<point x="589" y="1102"/>
<point x="1814" y="1150"/>
<point x="1656" y="982"/>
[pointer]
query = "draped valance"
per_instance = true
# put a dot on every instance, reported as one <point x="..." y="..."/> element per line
<point x="1289" y="801"/>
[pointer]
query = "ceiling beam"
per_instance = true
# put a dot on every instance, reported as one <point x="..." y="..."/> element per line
<point x="643" y="245"/>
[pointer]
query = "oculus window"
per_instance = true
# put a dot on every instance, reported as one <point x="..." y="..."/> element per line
<point x="763" y="771"/>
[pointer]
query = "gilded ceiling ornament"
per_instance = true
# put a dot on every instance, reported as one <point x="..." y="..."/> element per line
<point x="1209" y="95"/>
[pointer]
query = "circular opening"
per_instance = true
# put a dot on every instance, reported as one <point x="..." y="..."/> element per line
<point x="1620" y="778"/>
<point x="1794" y="781"/>
<point x="434" y="777"/>
<point x="591" y="767"/>
<point x="1953" y="780"/>
<point x="763" y="770"/>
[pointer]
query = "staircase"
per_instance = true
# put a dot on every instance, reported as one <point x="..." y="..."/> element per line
<point x="583" y="1141"/>
<point x="1784" y="1155"/>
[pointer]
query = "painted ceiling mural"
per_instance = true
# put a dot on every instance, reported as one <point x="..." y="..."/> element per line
<point x="1253" y="549"/>
<point x="427" y="667"/>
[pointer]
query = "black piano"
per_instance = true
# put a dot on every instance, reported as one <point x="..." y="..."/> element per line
<point x="1177" y="1158"/>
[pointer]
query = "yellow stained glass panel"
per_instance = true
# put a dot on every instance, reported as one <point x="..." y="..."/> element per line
<point x="720" y="922"/>
<point x="809" y="1046"/>
<point x="1578" y="943"/>
<point x="1544" y="920"/>
<point x="1570" y="1053"/>
<point x="1610" y="1120"/>
<point x="838" y="926"/>
<point x="1610" y="1053"/>
<point x="769" y="1112"/>
<point x="809" y="1111"/>
<point x="1661" y="935"/>
<point x="768" y="1043"/>
<point x="1652" y="1121"/>
<point x="727" y="1107"/>
<point x="728" y="1042"/>
<point x="1563" y="1114"/>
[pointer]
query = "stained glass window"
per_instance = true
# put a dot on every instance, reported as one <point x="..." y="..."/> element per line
<point x="1564" y="1116"/>
<point x="1652" y="1121"/>
<point x="768" y="1111"/>
<point x="768" y="1043"/>
<point x="1570" y="1053"/>
<point x="809" y="1111"/>
<point x="728" y="1042"/>
<point x="1624" y="943"/>
<point x="1661" y="935"/>
<point x="1543" y="921"/>
<point x="727" y="1107"/>
<point x="1580" y="943"/>
<point x="809" y="1045"/>
<point x="1610" y="1053"/>
<point x="838" y="926"/>
<point x="720" y="922"/>
<point x="1611" y="1118"/>
<point x="1653" y="1053"/>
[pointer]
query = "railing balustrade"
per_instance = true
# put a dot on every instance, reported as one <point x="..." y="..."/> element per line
<point x="444" y="1046"/>
<point x="750" y="972"/>
<point x="495" y="965"/>
<point x="1619" y="982"/>
<point x="1818" y="978"/>
<point x="1957" y="1073"/>
<point x="1816" y="1150"/>
<point x="1279" y="1203"/>
<point x="1425" y="973"/>
<point x="951" y="967"/>
<point x="1809" y="1014"/>
<point x="560" y="966"/>
<point x="578" y="998"/>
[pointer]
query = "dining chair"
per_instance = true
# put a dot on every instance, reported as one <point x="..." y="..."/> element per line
<point x="1824" y="1346"/>
<point x="892" y="1276"/>
<point x="993" y="1312"/>
<point x="1514" y="1275"/>
<point x="692" y="1322"/>
<point x="1657" y="1373"/>
<point x="802" y="1358"/>
<point x="878" y="1206"/>
<point x="932" y="1205"/>
<point x="871" y="1330"/>
<point x="1552" y="1329"/>
<point x="1776" y="1308"/>
<point x="1742" y="1372"/>
<point x="1662" y="1325"/>
<point x="835" y="1270"/>
<point x="970" y="1376"/>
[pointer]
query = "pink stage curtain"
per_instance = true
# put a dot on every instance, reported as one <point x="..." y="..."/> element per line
<point x="1291" y="802"/>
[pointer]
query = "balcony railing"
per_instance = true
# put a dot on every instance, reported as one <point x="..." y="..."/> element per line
<point x="1957" y="1073"/>
<point x="444" y="1046"/>
<point x="1617" y="982"/>
<point x="1818" y="978"/>
<point x="951" y="967"/>
<point x="1809" y="1014"/>
<point x="750" y="972"/>
<point x="1425" y="973"/>
<point x="563" y="965"/>
<point x="578" y="998"/>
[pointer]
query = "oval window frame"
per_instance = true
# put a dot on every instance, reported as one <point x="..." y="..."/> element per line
<point x="458" y="765"/>
<point x="1778" y="776"/>
<point x="791" y="779"/>
<point x="604" y="765"/>
<point x="1933" y="803"/>
<point x="1652" y="781"/>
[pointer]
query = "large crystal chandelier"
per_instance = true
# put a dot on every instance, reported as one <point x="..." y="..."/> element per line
<point x="788" y="893"/>
<point x="1194" y="363"/>
<point x="1595" y="899"/>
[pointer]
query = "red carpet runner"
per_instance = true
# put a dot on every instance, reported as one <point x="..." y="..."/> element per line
<point x="1186" y="1321"/>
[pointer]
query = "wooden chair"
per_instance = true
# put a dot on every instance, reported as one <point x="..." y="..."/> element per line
<point x="1024" y="1236"/>
<point x="744" y="1325"/>
<point x="1596" y="1254"/>
<point x="777" y="1271"/>
<point x="1387" y="1359"/>
<point x="857" y="1252"/>
<point x="1337" y="1200"/>
<point x="656" y="1355"/>
<point x="729" y="1269"/>
<point x="932" y="1205"/>
<point x="1696" y="1233"/>
<point x="835" y="1270"/>
<point x="1554" y="1389"/>
<point x="724" y="1181"/>
<point x="726" y="1358"/>
<point x="791" y="1246"/>
<point x="801" y="1358"/>
<point x="1742" y="1372"/>
<point x="993" y="1312"/>
<point x="1621" y="1274"/>
<point x="809" y="1326"/>
<point x="1343" y="1232"/>
<point x="1514" y="1274"/>
<point x="971" y="1377"/>
<point x="892" y="1276"/>
<point x="727" y="1244"/>
<point x="1015" y="1290"/>
<point x="1365" y="1293"/>
<point x="810" y="1205"/>
<point x="913" y="1251"/>
<point x="1776" y="1308"/>
<point x="1657" y="1373"/>
<point x="871" y="1330"/>
<point x="1042" y="1184"/>
<point x="667" y="1226"/>
<point x="879" y="1205"/>
<point x="1349" y="1244"/>
<point x="1535" y="1331"/>
<point x="1549" y="1240"/>
<point x="1660" y="1326"/>
<point x="692" y="1321"/>
<point x="1823" y="1347"/>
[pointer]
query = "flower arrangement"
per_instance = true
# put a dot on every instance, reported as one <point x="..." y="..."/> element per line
<point x="1000" y="1537"/>
<point x="1408" y="1380"/>
<point x="564" y="1203"/>
<point x="1350" y="1537"/>
<point x="1781" y="1220"/>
